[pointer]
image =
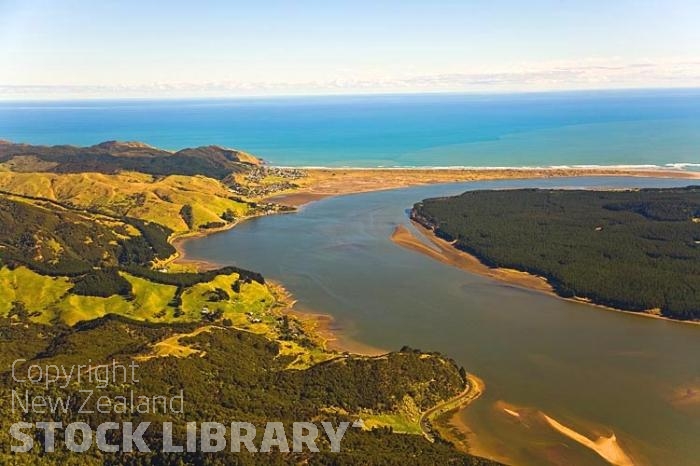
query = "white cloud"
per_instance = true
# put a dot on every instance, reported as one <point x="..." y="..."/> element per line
<point x="585" y="74"/>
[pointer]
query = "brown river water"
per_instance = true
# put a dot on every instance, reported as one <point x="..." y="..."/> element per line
<point x="594" y="371"/>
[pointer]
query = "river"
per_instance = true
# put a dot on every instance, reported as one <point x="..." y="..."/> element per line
<point x="596" y="371"/>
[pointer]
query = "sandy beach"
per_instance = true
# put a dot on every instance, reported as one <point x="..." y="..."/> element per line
<point x="333" y="336"/>
<point x="444" y="252"/>
<point x="441" y="416"/>
<point x="325" y="182"/>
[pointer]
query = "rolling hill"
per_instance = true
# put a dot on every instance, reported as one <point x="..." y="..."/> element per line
<point x="113" y="157"/>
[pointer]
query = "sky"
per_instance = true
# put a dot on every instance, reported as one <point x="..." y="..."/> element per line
<point x="125" y="48"/>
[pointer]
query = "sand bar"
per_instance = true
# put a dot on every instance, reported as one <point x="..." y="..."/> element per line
<point x="446" y="253"/>
<point x="325" y="182"/>
<point x="607" y="447"/>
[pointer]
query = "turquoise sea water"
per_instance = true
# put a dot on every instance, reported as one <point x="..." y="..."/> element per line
<point x="658" y="127"/>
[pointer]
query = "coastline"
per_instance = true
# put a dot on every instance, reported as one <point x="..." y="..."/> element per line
<point x="320" y="327"/>
<point x="446" y="253"/>
<point x="438" y="417"/>
<point x="180" y="257"/>
<point x="333" y="337"/>
<point x="321" y="183"/>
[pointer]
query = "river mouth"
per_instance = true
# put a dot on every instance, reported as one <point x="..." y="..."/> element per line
<point x="594" y="371"/>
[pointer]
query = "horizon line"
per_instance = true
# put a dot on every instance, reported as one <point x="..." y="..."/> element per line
<point x="345" y="95"/>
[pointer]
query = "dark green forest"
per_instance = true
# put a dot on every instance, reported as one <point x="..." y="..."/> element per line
<point x="243" y="377"/>
<point x="634" y="250"/>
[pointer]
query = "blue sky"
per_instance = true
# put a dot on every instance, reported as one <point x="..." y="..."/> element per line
<point x="187" y="48"/>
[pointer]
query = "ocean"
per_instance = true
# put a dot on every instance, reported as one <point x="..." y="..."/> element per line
<point x="611" y="128"/>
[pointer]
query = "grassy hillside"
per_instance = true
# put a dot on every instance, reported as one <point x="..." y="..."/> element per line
<point x="137" y="195"/>
<point x="44" y="299"/>
<point x="82" y="243"/>
<point x="634" y="250"/>
<point x="62" y="264"/>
